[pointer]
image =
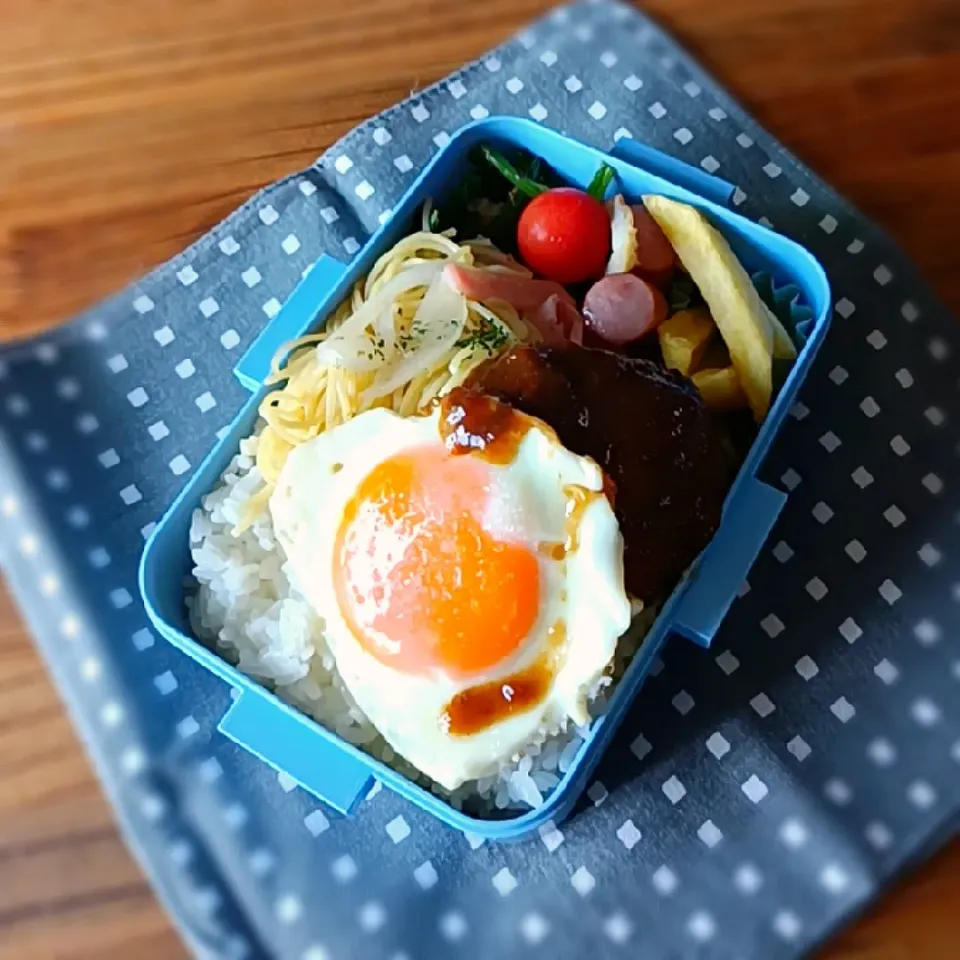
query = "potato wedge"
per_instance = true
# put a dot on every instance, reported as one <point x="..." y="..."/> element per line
<point x="684" y="338"/>
<point x="740" y="315"/>
<point x="720" y="389"/>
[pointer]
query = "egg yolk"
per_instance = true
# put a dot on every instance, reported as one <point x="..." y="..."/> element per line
<point x="419" y="580"/>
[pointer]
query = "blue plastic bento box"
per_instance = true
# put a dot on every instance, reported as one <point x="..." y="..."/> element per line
<point x="340" y="774"/>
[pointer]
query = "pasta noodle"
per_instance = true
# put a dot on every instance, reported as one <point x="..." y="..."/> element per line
<point x="324" y="388"/>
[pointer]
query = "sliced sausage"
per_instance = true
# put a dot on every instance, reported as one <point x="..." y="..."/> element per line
<point x="623" y="307"/>
<point x="656" y="259"/>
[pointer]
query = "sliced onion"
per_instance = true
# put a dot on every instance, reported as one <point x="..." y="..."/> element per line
<point x="385" y="328"/>
<point x="489" y="256"/>
<point x="352" y="345"/>
<point x="623" y="253"/>
<point x="441" y="316"/>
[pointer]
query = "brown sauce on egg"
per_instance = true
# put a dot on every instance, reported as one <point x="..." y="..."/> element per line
<point x="478" y="708"/>
<point x="476" y="423"/>
<point x="553" y="550"/>
<point x="578" y="499"/>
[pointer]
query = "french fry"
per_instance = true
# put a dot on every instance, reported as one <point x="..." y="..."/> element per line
<point x="740" y="315"/>
<point x="720" y="389"/>
<point x="684" y="338"/>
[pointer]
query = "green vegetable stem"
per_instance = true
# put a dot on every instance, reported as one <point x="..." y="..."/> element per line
<point x="601" y="182"/>
<point x="530" y="187"/>
<point x="526" y="185"/>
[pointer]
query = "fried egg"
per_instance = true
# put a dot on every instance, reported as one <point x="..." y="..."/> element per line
<point x="471" y="603"/>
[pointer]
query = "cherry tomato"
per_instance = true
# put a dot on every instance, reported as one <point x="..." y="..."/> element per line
<point x="655" y="257"/>
<point x="564" y="235"/>
<point x="622" y="308"/>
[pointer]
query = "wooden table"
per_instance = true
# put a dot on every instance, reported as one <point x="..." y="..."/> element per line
<point x="129" y="128"/>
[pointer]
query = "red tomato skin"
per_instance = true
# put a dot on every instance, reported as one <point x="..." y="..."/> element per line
<point x="564" y="235"/>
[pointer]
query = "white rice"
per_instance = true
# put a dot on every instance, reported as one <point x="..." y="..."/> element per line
<point x="244" y="604"/>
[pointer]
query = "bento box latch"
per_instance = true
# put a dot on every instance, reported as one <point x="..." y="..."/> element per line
<point x="676" y="171"/>
<point x="295" y="318"/>
<point x="717" y="580"/>
<point x="290" y="743"/>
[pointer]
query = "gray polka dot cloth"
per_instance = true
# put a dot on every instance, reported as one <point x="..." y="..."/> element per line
<point x="758" y="793"/>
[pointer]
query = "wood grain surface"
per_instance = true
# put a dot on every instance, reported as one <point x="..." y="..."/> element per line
<point x="127" y="129"/>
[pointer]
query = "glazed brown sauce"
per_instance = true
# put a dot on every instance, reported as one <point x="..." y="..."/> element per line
<point x="478" y="708"/>
<point x="553" y="550"/>
<point x="475" y="423"/>
<point x="578" y="499"/>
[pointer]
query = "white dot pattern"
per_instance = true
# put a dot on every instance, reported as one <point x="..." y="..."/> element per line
<point x="583" y="881"/>
<point x="344" y="869"/>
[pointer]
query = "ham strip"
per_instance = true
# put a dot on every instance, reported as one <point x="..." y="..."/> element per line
<point x="544" y="304"/>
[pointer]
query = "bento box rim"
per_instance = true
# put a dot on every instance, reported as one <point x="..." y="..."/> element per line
<point x="565" y="794"/>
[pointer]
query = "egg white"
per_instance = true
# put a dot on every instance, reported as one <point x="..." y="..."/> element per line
<point x="528" y="505"/>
